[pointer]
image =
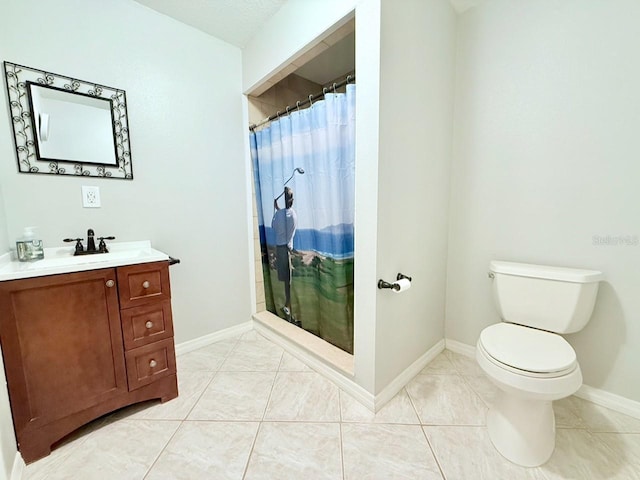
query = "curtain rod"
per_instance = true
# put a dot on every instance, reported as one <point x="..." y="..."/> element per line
<point x="317" y="96"/>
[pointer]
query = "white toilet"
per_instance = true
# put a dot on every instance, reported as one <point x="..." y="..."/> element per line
<point x="530" y="364"/>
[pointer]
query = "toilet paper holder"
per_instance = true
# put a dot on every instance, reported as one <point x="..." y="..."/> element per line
<point x="382" y="284"/>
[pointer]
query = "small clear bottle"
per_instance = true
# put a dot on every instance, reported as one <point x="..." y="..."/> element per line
<point x="29" y="248"/>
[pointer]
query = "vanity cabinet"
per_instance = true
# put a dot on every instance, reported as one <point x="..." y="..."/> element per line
<point x="79" y="345"/>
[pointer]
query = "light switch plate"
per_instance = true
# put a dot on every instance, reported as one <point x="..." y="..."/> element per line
<point x="91" y="197"/>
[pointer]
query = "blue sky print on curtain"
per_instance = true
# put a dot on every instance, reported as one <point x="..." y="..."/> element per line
<point x="313" y="152"/>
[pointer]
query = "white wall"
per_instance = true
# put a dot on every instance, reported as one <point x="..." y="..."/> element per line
<point x="545" y="158"/>
<point x="417" y="61"/>
<point x="5" y="244"/>
<point x="187" y="137"/>
<point x="185" y="108"/>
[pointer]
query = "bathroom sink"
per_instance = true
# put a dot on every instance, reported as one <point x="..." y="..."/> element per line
<point x="67" y="259"/>
<point x="62" y="260"/>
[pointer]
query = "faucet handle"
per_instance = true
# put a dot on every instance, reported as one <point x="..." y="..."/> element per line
<point x="79" y="247"/>
<point x="102" y="246"/>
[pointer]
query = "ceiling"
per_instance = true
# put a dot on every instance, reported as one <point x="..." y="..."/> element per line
<point x="234" y="21"/>
<point x="237" y="21"/>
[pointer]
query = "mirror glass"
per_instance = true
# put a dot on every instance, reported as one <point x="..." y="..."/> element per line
<point x="66" y="126"/>
<point x="72" y="127"/>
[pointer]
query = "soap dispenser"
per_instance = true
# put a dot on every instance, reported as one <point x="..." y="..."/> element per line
<point x="29" y="248"/>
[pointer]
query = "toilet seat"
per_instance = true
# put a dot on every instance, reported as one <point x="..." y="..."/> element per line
<point x="527" y="351"/>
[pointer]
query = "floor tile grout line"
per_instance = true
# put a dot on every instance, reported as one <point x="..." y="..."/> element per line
<point x="281" y="360"/>
<point x="254" y="420"/>
<point x="340" y="393"/>
<point x="413" y="405"/>
<point x="422" y="372"/>
<point x="266" y="406"/>
<point x="224" y="356"/>
<point x="253" y="445"/>
<point x="480" y="397"/>
<point x="433" y="452"/>
<point x="201" y="395"/>
<point x="228" y="354"/>
<point x="341" y="451"/>
<point x="162" y="451"/>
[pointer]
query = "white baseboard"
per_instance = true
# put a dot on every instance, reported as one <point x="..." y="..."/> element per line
<point x="599" y="397"/>
<point x="196" y="343"/>
<point x="405" y="377"/>
<point x="18" y="467"/>
<point x="461" y="348"/>
<point x="609" y="400"/>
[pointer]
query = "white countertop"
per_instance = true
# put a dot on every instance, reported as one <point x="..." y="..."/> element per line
<point x="61" y="260"/>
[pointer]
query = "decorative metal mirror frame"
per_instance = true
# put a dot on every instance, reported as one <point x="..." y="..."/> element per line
<point x="17" y="78"/>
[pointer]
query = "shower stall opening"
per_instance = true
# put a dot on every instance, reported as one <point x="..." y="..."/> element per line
<point x="304" y="176"/>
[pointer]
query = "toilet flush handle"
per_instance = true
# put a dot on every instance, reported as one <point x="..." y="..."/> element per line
<point x="491" y="275"/>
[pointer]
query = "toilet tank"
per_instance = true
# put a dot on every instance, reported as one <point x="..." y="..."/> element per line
<point x="556" y="299"/>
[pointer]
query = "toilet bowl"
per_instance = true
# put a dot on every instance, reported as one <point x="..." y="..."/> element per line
<point x="530" y="364"/>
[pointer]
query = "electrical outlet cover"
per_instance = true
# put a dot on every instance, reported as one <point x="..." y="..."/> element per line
<point x="91" y="197"/>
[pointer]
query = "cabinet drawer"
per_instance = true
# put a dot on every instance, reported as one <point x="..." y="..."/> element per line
<point x="146" y="324"/>
<point x="144" y="283"/>
<point x="146" y="364"/>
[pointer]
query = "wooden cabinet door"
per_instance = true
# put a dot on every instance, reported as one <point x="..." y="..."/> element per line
<point x="62" y="344"/>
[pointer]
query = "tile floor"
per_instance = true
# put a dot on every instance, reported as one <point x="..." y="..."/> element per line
<point x="249" y="410"/>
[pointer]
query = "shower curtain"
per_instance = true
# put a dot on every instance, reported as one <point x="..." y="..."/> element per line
<point x="306" y="235"/>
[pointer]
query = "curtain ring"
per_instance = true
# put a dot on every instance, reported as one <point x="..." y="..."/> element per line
<point x="334" y="87"/>
<point x="278" y="114"/>
<point x="324" y="90"/>
<point x="348" y="78"/>
<point x="287" y="110"/>
<point x="310" y="100"/>
<point x="298" y="105"/>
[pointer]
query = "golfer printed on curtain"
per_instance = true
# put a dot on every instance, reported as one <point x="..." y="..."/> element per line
<point x="304" y="172"/>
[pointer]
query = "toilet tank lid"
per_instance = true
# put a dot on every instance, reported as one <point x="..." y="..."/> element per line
<point x="563" y="274"/>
